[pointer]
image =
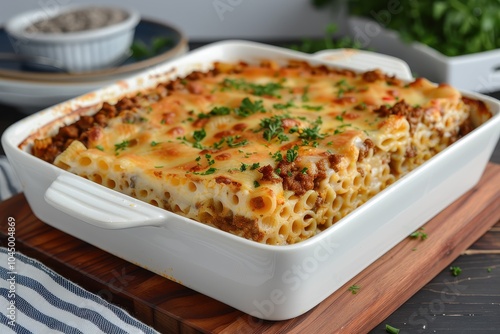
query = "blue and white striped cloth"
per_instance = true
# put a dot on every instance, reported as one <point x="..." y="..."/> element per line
<point x="35" y="299"/>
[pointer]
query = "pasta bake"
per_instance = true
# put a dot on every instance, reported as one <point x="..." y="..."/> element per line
<point x="274" y="153"/>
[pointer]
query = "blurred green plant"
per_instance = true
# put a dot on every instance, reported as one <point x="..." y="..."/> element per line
<point x="453" y="27"/>
<point x="140" y="50"/>
<point x="309" y="45"/>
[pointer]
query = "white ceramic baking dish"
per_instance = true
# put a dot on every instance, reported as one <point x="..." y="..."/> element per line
<point x="269" y="282"/>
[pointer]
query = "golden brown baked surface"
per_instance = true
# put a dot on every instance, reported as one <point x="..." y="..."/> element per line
<point x="272" y="153"/>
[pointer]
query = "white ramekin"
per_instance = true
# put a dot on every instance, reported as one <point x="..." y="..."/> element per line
<point x="75" y="51"/>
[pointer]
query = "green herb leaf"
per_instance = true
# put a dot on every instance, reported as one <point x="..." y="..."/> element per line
<point x="314" y="108"/>
<point x="121" y="146"/>
<point x="391" y="330"/>
<point x="209" y="171"/>
<point x="236" y="141"/>
<point x="278" y="157"/>
<point x="247" y="107"/>
<point x="159" y="43"/>
<point x="419" y="234"/>
<point x="354" y="289"/>
<point x="272" y="127"/>
<point x="455" y="270"/>
<point x="292" y="154"/>
<point x="281" y="106"/>
<point x="199" y="135"/>
<point x="269" y="89"/>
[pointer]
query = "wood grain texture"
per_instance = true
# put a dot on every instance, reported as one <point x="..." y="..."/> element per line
<point x="173" y="308"/>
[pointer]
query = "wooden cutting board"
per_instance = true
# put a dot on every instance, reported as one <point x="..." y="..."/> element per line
<point x="172" y="308"/>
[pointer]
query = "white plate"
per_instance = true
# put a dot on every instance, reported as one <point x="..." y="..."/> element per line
<point x="31" y="91"/>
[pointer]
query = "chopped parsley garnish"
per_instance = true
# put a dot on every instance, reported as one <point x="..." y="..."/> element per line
<point x="281" y="106"/>
<point x="209" y="171"/>
<point x="209" y="159"/>
<point x="314" y="108"/>
<point x="158" y="166"/>
<point x="216" y="111"/>
<point x="278" y="156"/>
<point x="419" y="234"/>
<point x="121" y="146"/>
<point x="247" y="107"/>
<point x="236" y="141"/>
<point x="455" y="270"/>
<point x="269" y="89"/>
<point x="273" y="128"/>
<point x="154" y="143"/>
<point x="304" y="170"/>
<point x="198" y="136"/>
<point x="292" y="154"/>
<point x="253" y="166"/>
<point x="231" y="141"/>
<point x="354" y="289"/>
<point x="99" y="147"/>
<point x="256" y="184"/>
<point x="311" y="133"/>
<point x="391" y="330"/>
<point x="343" y="87"/>
<point x="340" y="128"/>
<point x="305" y="94"/>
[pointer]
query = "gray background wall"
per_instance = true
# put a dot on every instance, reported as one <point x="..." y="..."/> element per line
<point x="209" y="19"/>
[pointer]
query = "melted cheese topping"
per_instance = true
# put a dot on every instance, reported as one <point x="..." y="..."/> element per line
<point x="272" y="153"/>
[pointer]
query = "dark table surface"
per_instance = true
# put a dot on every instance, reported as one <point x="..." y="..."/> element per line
<point x="472" y="306"/>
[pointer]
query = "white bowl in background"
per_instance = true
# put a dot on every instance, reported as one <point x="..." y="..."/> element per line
<point x="74" y="51"/>
<point x="478" y="72"/>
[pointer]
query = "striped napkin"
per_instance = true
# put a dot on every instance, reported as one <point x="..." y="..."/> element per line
<point x="35" y="299"/>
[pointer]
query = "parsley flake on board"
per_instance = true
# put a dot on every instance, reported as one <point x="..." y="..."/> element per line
<point x="354" y="289"/>
<point x="391" y="330"/>
<point x="419" y="234"/>
<point x="455" y="270"/>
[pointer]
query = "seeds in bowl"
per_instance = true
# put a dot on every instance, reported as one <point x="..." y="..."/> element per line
<point x="78" y="20"/>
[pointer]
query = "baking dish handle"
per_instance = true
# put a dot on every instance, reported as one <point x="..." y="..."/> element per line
<point x="99" y="206"/>
<point x="365" y="61"/>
